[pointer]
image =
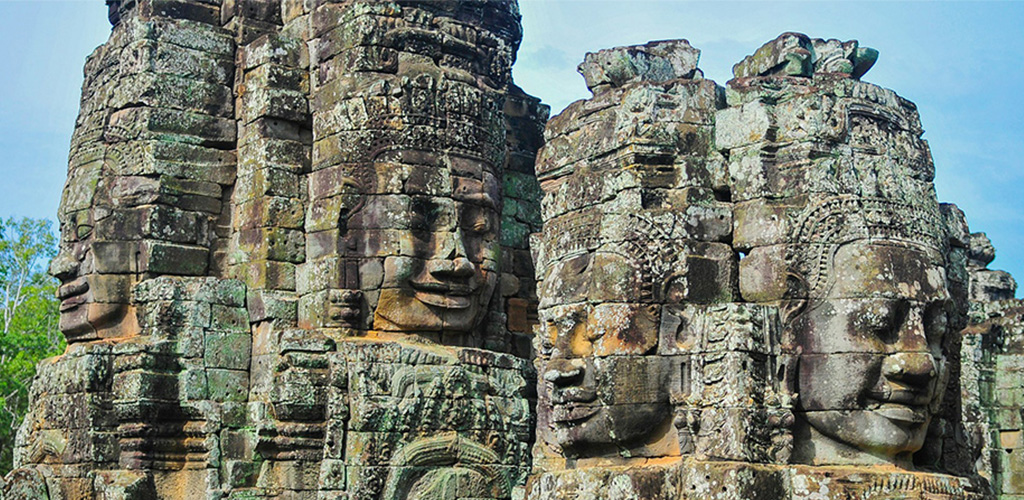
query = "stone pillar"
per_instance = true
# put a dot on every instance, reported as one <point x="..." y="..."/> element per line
<point x="417" y="289"/>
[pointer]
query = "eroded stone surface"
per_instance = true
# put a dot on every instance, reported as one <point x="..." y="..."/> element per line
<point x="295" y="258"/>
<point x="822" y="333"/>
<point x="303" y="257"/>
<point x="795" y="54"/>
<point x="991" y="394"/>
<point x="653" y="62"/>
<point x="722" y="480"/>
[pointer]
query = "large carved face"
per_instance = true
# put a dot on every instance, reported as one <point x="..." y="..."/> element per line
<point x="871" y="368"/>
<point x="95" y="279"/>
<point x="600" y="391"/>
<point x="445" y="278"/>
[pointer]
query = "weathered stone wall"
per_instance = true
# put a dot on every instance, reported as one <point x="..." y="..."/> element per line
<point x="992" y="386"/>
<point x="303" y="256"/>
<point x="782" y="237"/>
<point x="295" y="257"/>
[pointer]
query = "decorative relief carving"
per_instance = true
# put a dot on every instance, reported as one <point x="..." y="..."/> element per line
<point x="317" y="249"/>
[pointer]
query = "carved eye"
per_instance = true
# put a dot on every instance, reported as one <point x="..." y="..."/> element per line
<point x="547" y="345"/>
<point x="82" y="231"/>
<point x="424" y="215"/>
<point x="879" y="318"/>
<point x="581" y="328"/>
<point x="418" y="223"/>
<point x="481" y="225"/>
<point x="478" y="220"/>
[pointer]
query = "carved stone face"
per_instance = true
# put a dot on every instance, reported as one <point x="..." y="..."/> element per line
<point x="601" y="392"/>
<point x="446" y="276"/>
<point x="871" y="368"/>
<point x="94" y="289"/>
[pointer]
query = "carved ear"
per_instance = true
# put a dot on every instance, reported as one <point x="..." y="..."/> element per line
<point x="797" y="285"/>
<point x="352" y="202"/>
<point x="790" y="384"/>
<point x="789" y="310"/>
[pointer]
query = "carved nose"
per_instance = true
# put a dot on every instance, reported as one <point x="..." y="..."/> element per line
<point x="64" y="267"/>
<point x="457" y="246"/>
<point x="462" y="267"/>
<point x="913" y="368"/>
<point x="457" y="268"/>
<point x="564" y="371"/>
<point x="455" y="263"/>
<point x="911" y="333"/>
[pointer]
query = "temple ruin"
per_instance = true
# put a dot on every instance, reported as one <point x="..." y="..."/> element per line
<point x="323" y="249"/>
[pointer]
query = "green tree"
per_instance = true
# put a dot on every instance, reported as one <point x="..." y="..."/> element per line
<point x="29" y="312"/>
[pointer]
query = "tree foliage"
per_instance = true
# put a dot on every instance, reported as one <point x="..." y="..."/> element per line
<point x="29" y="312"/>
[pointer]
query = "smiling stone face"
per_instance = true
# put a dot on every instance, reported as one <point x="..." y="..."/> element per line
<point x="605" y="390"/>
<point x="604" y="387"/>
<point x="872" y="356"/>
<point x="118" y="229"/>
<point x="600" y="399"/>
<point x="96" y="272"/>
<point x="94" y="304"/>
<point x="448" y="278"/>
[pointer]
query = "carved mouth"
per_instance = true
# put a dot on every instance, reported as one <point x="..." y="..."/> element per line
<point x="572" y="413"/>
<point x="570" y="395"/>
<point x="72" y="295"/>
<point x="901" y="404"/>
<point x="907" y="398"/>
<point x="903" y="413"/>
<point x="444" y="295"/>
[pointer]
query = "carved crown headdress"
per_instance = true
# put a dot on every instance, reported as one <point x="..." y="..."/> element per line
<point x="825" y="226"/>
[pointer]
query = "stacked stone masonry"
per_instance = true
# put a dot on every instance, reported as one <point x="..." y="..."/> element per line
<point x="328" y="249"/>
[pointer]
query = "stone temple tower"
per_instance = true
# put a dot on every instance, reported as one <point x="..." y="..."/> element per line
<point x="319" y="249"/>
<point x="295" y="257"/>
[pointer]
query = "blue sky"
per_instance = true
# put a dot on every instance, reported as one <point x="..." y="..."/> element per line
<point x="961" y="62"/>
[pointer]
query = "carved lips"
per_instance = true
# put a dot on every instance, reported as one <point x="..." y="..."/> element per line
<point x="908" y="407"/>
<point x="573" y="404"/>
<point x="444" y="294"/>
<point x="72" y="295"/>
<point x="903" y="414"/>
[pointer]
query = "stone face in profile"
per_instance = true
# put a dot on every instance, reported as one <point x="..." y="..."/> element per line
<point x="616" y="250"/>
<point x="987" y="285"/>
<point x="93" y="304"/>
<point x="95" y="271"/>
<point x="602" y="393"/>
<point x="130" y="210"/>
